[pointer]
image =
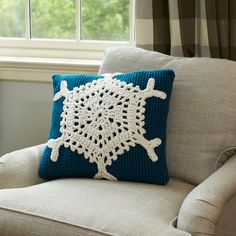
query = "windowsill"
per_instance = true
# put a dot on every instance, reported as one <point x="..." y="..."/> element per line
<point x="40" y="69"/>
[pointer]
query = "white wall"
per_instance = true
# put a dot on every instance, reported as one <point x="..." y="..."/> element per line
<point x="25" y="104"/>
<point x="25" y="113"/>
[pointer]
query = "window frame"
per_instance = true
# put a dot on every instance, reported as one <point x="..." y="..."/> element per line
<point x="61" y="48"/>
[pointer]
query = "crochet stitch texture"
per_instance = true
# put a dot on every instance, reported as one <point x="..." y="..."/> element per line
<point x="103" y="119"/>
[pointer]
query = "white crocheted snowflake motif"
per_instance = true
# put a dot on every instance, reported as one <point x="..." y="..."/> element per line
<point x="103" y="119"/>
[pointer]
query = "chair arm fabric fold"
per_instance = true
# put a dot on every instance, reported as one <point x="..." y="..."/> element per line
<point x="202" y="208"/>
<point x="20" y="168"/>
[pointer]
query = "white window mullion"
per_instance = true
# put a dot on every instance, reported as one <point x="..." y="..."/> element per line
<point x="78" y="20"/>
<point x="27" y="19"/>
<point x="132" y="20"/>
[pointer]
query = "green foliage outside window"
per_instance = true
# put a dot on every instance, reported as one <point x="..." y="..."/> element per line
<point x="53" y="19"/>
<point x="105" y="20"/>
<point x="12" y="18"/>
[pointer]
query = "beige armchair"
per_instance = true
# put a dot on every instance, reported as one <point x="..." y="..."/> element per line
<point x="200" y="198"/>
<point x="208" y="209"/>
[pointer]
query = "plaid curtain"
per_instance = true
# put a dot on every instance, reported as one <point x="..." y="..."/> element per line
<point x="187" y="27"/>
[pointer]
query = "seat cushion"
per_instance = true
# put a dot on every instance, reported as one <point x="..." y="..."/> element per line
<point x="92" y="207"/>
<point x="202" y="114"/>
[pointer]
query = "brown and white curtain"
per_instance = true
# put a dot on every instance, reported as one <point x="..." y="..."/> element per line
<point x="202" y="28"/>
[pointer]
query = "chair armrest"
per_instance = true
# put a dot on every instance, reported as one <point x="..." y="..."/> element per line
<point x="20" y="168"/>
<point x="204" y="205"/>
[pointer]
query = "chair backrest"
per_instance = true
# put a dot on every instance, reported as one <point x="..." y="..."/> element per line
<point x="202" y="117"/>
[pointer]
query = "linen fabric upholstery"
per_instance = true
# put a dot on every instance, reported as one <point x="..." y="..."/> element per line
<point x="226" y="223"/>
<point x="202" y="116"/>
<point x="20" y="168"/>
<point x="203" y="208"/>
<point x="82" y="149"/>
<point x="92" y="207"/>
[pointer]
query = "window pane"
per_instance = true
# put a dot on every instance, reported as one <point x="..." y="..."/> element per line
<point x="105" y="20"/>
<point x="12" y="22"/>
<point x="54" y="19"/>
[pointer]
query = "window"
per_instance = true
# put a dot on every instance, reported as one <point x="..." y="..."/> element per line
<point x="84" y="27"/>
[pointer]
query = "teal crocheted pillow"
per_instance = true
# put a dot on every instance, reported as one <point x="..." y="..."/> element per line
<point x="111" y="126"/>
